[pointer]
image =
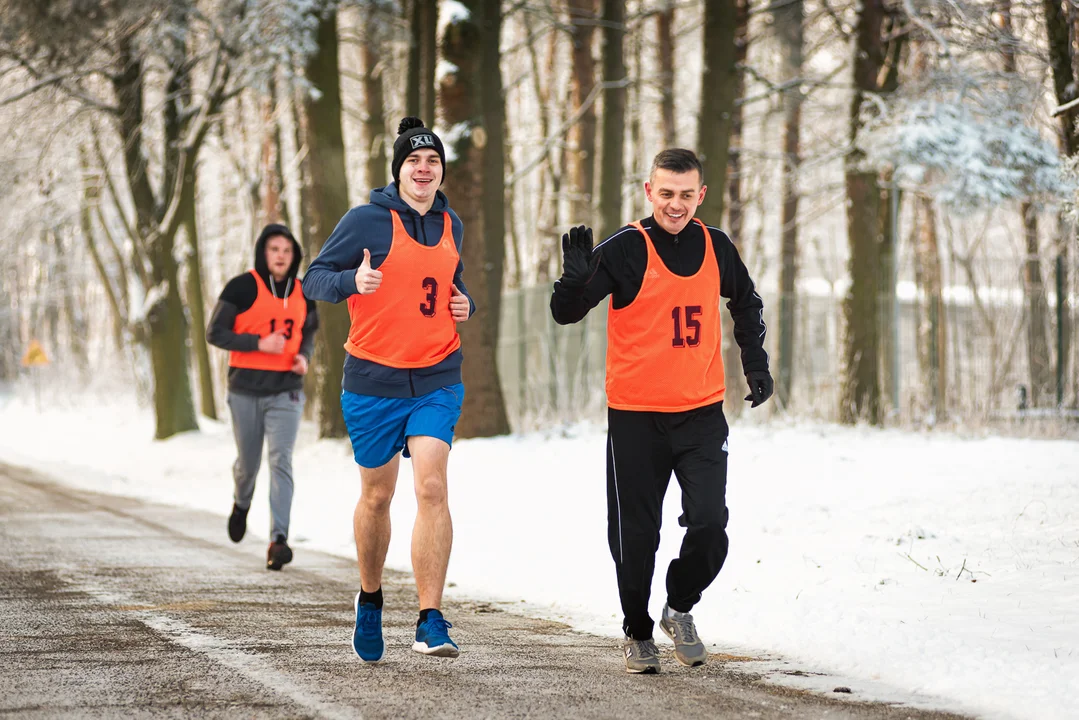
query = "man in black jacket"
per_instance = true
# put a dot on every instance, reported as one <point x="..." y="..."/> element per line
<point x="263" y="319"/>
<point x="665" y="388"/>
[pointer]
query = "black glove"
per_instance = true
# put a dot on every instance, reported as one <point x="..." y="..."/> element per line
<point x="760" y="386"/>
<point x="579" y="263"/>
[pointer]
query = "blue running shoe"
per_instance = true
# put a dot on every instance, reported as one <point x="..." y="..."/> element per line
<point x="367" y="637"/>
<point x="433" y="638"/>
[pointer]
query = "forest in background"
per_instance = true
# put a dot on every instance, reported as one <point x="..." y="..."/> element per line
<point x="900" y="178"/>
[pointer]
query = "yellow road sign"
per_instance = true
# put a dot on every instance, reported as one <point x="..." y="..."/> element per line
<point x="35" y="355"/>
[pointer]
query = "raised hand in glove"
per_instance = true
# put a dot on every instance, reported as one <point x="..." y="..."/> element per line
<point x="579" y="263"/>
<point x="760" y="386"/>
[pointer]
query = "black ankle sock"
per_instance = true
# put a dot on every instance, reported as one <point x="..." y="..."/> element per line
<point x="374" y="598"/>
<point x="423" y="616"/>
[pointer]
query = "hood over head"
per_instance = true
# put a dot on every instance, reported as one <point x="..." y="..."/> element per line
<point x="263" y="268"/>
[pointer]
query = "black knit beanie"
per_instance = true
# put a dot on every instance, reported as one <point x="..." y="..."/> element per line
<point x="413" y="136"/>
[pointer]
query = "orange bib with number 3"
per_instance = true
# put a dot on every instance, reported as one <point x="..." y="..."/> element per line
<point x="406" y="323"/>
<point x="267" y="315"/>
<point x="663" y="349"/>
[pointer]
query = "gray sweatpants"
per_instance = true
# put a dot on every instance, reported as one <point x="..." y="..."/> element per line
<point x="276" y="418"/>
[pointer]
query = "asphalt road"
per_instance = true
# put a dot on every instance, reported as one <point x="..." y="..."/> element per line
<point x="112" y="607"/>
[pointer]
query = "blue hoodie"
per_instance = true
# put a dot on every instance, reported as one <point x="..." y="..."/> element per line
<point x="331" y="277"/>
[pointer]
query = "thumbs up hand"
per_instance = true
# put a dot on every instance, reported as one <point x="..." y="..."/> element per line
<point x="459" y="305"/>
<point x="367" y="280"/>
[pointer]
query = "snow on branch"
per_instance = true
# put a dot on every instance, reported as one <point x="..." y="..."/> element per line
<point x="274" y="33"/>
<point x="967" y="153"/>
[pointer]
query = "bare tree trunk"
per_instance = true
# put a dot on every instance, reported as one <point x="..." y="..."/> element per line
<point x="270" y="207"/>
<point x="74" y="313"/>
<point x="860" y="394"/>
<point x="138" y="259"/>
<point x="789" y="19"/>
<point x="196" y="302"/>
<point x="890" y="209"/>
<point x="51" y="310"/>
<point x="582" y="14"/>
<point x="665" y="40"/>
<point x="303" y="173"/>
<point x="1065" y="233"/>
<point x="129" y="94"/>
<point x="10" y="345"/>
<point x="166" y="321"/>
<point x="472" y="95"/>
<point x="179" y="176"/>
<point x="422" y="58"/>
<point x="305" y="208"/>
<point x="558" y="169"/>
<point x="86" y="225"/>
<point x="614" y="116"/>
<point x="119" y="312"/>
<point x="329" y="203"/>
<point x="1063" y="61"/>
<point x="719" y="87"/>
<point x="413" y="92"/>
<point x="553" y="173"/>
<point x="1039" y="358"/>
<point x="732" y="354"/>
<point x="517" y="268"/>
<point x="374" y="124"/>
<point x="636" y="110"/>
<point x="174" y="407"/>
<point x="429" y="57"/>
<point x="734" y="156"/>
<point x="891" y="197"/>
<point x="1060" y="60"/>
<point x="279" y="163"/>
<point x="932" y="328"/>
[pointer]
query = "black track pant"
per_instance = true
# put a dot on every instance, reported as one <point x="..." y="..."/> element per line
<point x="642" y="450"/>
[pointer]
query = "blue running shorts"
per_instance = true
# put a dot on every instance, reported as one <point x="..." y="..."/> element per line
<point x="378" y="426"/>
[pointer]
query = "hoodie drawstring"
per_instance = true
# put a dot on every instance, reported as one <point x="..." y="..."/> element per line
<point x="288" y="288"/>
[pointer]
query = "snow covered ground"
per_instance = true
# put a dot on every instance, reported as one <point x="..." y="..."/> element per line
<point x="926" y="568"/>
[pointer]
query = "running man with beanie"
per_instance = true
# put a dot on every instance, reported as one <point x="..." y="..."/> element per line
<point x="397" y="263"/>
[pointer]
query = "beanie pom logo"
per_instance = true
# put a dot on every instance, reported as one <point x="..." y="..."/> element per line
<point x="420" y="141"/>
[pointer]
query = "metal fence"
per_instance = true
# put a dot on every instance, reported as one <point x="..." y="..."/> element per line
<point x="983" y="372"/>
<point x="553" y="374"/>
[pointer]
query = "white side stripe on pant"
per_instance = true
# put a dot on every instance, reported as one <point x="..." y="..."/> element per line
<point x="617" y="501"/>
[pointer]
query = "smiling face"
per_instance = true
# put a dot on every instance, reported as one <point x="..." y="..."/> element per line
<point x="675" y="197"/>
<point x="421" y="174"/>
<point x="279" y="256"/>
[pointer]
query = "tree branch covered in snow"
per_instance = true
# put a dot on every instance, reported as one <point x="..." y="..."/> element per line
<point x="968" y="150"/>
<point x="275" y="33"/>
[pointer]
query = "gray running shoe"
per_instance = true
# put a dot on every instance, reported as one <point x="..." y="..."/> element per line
<point x="678" y="626"/>
<point x="641" y="656"/>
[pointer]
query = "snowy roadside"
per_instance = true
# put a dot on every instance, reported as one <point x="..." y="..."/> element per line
<point x="926" y="569"/>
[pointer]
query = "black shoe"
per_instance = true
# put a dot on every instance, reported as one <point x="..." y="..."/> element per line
<point x="237" y="523"/>
<point x="279" y="554"/>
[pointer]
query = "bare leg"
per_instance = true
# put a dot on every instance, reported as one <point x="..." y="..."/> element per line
<point x="432" y="535"/>
<point x="371" y="521"/>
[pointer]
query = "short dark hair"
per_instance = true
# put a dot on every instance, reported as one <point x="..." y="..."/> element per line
<point x="677" y="160"/>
